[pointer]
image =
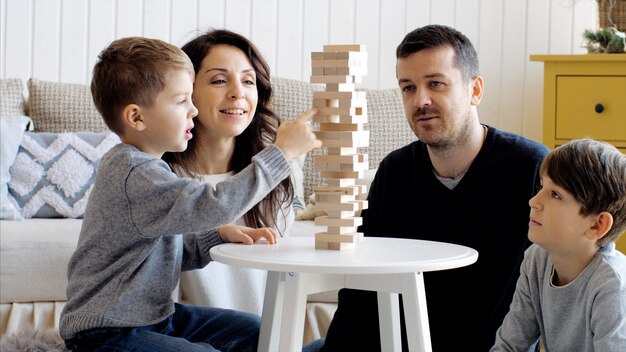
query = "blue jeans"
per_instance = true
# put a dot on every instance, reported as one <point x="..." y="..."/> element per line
<point x="189" y="329"/>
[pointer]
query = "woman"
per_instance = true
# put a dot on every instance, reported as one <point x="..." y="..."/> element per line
<point x="232" y="91"/>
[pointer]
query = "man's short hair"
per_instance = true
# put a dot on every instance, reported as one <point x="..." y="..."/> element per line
<point x="133" y="71"/>
<point x="594" y="173"/>
<point x="434" y="36"/>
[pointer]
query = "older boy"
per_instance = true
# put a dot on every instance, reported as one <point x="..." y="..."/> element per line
<point x="131" y="249"/>
<point x="571" y="293"/>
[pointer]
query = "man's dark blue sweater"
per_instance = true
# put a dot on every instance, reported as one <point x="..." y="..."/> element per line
<point x="488" y="211"/>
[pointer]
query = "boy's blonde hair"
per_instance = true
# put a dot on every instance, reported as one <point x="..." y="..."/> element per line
<point x="595" y="174"/>
<point x="132" y="71"/>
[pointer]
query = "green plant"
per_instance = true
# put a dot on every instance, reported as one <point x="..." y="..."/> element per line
<point x="605" y="40"/>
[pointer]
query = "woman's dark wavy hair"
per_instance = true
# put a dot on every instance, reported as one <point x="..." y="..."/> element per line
<point x="260" y="133"/>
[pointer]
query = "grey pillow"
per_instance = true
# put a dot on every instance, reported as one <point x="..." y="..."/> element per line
<point x="53" y="173"/>
<point x="63" y="107"/>
<point x="11" y="97"/>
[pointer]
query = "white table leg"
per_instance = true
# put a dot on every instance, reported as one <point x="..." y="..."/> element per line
<point x="415" y="312"/>
<point x="293" y="312"/>
<point x="272" y="311"/>
<point x="389" y="321"/>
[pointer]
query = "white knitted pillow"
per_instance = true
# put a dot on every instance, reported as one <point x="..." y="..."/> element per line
<point x="11" y="97"/>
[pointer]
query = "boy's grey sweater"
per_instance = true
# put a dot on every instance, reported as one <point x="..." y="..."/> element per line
<point x="130" y="251"/>
<point x="588" y="314"/>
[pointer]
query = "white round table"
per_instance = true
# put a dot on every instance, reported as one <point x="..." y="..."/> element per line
<point x="390" y="266"/>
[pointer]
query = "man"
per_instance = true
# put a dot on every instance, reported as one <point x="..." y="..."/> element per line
<point x="465" y="183"/>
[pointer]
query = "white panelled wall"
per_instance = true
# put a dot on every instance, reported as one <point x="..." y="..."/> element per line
<point x="59" y="40"/>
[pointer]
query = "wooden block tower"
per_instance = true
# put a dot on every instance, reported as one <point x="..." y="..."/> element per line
<point x="341" y="117"/>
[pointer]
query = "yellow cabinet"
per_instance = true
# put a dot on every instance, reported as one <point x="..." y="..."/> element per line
<point x="585" y="96"/>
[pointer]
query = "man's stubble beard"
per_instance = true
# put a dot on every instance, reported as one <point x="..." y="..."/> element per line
<point x="447" y="138"/>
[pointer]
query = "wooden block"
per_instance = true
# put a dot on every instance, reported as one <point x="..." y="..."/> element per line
<point x="341" y="174"/>
<point x="333" y="198"/>
<point x="347" y="139"/>
<point x="335" y="246"/>
<point x="362" y="189"/>
<point x="339" y="159"/>
<point x="347" y="222"/>
<point x="323" y="103"/>
<point x="341" y="127"/>
<point x="341" y="151"/>
<point x="340" y="87"/>
<point x="340" y="118"/>
<point x="342" y="143"/>
<point x="351" y="71"/>
<point x="340" y="214"/>
<point x="340" y="103"/>
<point x="344" y="47"/>
<point x="317" y="55"/>
<point x="352" y="103"/>
<point x="358" y="160"/>
<point x="334" y="79"/>
<point x="318" y="70"/>
<point x="343" y="135"/>
<point x="341" y="230"/>
<point x="359" y="95"/>
<point x="340" y="183"/>
<point x="330" y="110"/>
<point x="361" y="203"/>
<point x="348" y="206"/>
<point x="338" y="167"/>
<point x="351" y="190"/>
<point x="338" y="63"/>
<point x="330" y="70"/>
<point x="341" y="55"/>
<point x="331" y="237"/>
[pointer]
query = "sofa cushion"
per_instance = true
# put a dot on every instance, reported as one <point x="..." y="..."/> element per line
<point x="387" y="124"/>
<point x="11" y="97"/>
<point x="63" y="107"/>
<point x="53" y="173"/>
<point x="33" y="258"/>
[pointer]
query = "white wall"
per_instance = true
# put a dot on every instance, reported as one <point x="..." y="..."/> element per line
<point x="59" y="40"/>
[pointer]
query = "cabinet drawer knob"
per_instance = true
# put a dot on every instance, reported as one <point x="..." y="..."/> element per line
<point x="599" y="108"/>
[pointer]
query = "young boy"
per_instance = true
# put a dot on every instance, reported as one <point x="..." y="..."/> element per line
<point x="131" y="249"/>
<point x="571" y="294"/>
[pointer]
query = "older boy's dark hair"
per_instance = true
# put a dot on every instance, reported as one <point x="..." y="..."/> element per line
<point x="434" y="36"/>
<point x="595" y="174"/>
<point x="133" y="71"/>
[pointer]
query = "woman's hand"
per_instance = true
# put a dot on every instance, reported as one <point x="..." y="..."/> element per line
<point x="246" y="235"/>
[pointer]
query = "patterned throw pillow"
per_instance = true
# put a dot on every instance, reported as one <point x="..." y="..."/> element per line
<point x="53" y="173"/>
